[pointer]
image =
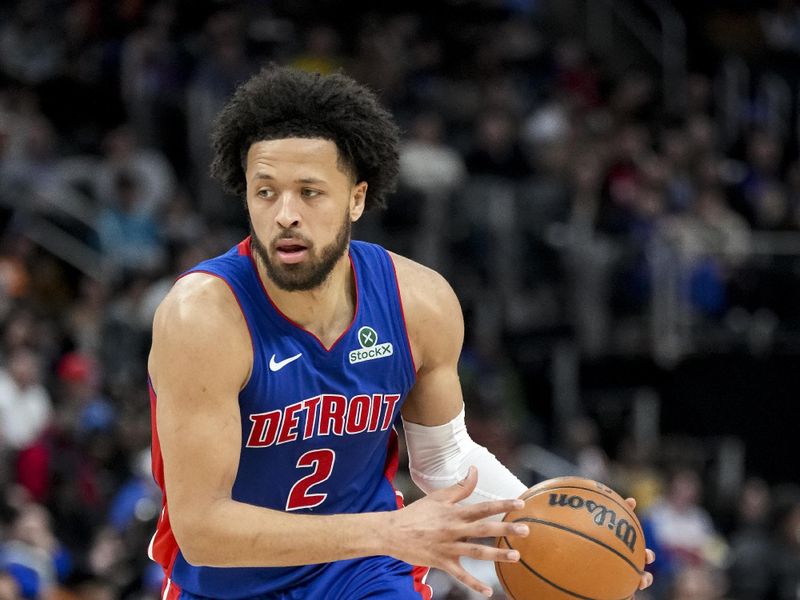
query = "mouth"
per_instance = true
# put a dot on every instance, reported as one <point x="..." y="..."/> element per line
<point x="290" y="251"/>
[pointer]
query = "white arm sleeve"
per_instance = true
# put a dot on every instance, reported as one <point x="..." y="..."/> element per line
<point x="440" y="456"/>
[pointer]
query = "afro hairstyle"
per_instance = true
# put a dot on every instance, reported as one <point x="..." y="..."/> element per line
<point x="281" y="102"/>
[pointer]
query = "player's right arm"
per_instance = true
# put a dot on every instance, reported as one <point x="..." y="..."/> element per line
<point x="200" y="359"/>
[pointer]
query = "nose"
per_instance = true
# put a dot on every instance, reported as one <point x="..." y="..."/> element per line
<point x="288" y="215"/>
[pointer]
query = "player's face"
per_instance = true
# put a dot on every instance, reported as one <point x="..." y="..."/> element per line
<point x="301" y="204"/>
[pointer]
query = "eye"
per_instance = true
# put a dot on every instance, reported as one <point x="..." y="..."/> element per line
<point x="265" y="193"/>
<point x="310" y="193"/>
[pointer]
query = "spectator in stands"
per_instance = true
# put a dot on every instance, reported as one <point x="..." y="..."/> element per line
<point x="31" y="46"/>
<point x="19" y="331"/>
<point x="321" y="51"/>
<point x="702" y="137"/>
<point x="128" y="232"/>
<point x="633" y="97"/>
<point x="125" y="333"/>
<point x="588" y="255"/>
<point x="698" y="583"/>
<point x="577" y="78"/>
<point x="25" y="414"/>
<point x="433" y="169"/>
<point x="181" y="224"/>
<point x="152" y="77"/>
<point x="677" y="155"/>
<point x="711" y="241"/>
<point x="14" y="274"/>
<point x="84" y="320"/>
<point x="760" y="196"/>
<point x="125" y="157"/>
<point x="781" y="26"/>
<point x="427" y="162"/>
<point x="496" y="150"/>
<point x="684" y="528"/>
<point x="31" y="167"/>
<point x="727" y="234"/>
<point x="785" y="555"/>
<point x="82" y="407"/>
<point x="381" y="59"/>
<point x="222" y="64"/>
<point x="33" y="555"/>
<point x="623" y="179"/>
<point x="583" y="449"/>
<point x="547" y="138"/>
<point x="749" y="566"/>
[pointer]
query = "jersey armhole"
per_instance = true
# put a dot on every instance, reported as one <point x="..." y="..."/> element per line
<point x="403" y="316"/>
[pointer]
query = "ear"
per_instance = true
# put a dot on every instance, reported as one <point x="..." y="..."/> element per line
<point x="357" y="199"/>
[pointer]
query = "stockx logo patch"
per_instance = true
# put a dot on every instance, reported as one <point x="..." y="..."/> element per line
<point x="370" y="348"/>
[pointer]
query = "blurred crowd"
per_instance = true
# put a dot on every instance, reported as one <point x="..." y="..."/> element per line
<point x="550" y="187"/>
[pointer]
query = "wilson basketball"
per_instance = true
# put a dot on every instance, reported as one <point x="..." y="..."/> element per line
<point x="584" y="542"/>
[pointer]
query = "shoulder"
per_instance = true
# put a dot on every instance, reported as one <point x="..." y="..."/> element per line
<point x="431" y="307"/>
<point x="198" y="299"/>
<point x="198" y="323"/>
<point x="423" y="289"/>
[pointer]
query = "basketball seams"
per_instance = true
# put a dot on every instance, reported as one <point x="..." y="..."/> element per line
<point x="551" y="583"/>
<point x="503" y="580"/>
<point x="574" y="492"/>
<point x="579" y="534"/>
<point x="635" y="520"/>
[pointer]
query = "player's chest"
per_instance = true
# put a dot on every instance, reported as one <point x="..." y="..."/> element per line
<point x="298" y="391"/>
<point x="366" y="359"/>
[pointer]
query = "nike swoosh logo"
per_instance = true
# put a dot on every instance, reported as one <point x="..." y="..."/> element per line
<point x="277" y="366"/>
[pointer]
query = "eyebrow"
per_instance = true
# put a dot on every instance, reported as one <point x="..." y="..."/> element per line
<point x="309" y="180"/>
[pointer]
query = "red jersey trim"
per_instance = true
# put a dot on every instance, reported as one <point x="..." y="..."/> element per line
<point x="170" y="590"/>
<point x="245" y="248"/>
<point x="403" y="314"/>
<point x="418" y="574"/>
<point x="163" y="546"/>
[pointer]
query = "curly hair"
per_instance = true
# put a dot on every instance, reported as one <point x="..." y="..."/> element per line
<point x="280" y="102"/>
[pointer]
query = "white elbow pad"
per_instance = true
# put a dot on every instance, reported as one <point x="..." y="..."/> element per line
<point x="440" y="456"/>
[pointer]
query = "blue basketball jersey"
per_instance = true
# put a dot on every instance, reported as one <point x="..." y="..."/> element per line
<point x="317" y="430"/>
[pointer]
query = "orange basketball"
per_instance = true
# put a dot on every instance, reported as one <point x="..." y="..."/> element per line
<point x="584" y="543"/>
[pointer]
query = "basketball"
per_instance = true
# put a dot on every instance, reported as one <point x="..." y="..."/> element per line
<point x="584" y="542"/>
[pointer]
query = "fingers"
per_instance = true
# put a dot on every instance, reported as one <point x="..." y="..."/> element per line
<point x="650" y="556"/>
<point x="475" y="512"/>
<point x="646" y="581"/>
<point x="483" y="552"/>
<point x="647" y="578"/>
<point x="495" y="529"/>
<point x="456" y="570"/>
<point x="462" y="489"/>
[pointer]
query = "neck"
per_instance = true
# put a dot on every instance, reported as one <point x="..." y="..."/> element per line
<point x="327" y="310"/>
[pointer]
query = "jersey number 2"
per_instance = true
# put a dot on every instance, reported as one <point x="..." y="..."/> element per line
<point x="322" y="462"/>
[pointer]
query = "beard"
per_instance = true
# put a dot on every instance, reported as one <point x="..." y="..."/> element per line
<point x="312" y="272"/>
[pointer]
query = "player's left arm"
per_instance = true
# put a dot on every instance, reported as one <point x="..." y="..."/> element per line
<point x="440" y="449"/>
<point x="439" y="446"/>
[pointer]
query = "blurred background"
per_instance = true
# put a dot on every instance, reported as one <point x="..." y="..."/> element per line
<point x="611" y="186"/>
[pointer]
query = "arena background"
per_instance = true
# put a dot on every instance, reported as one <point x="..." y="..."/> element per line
<point x="611" y="186"/>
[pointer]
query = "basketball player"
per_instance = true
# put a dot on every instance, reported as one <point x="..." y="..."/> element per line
<point x="278" y="370"/>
